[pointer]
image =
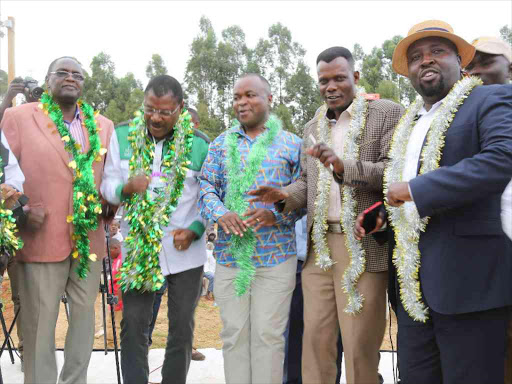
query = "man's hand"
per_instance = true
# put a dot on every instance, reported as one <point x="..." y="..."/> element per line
<point x="136" y="184"/>
<point x="259" y="217"/>
<point x="232" y="223"/>
<point x="398" y="193"/>
<point x="9" y="195"/>
<point x="359" y="231"/>
<point x="15" y="88"/>
<point x="108" y="211"/>
<point x="327" y="157"/>
<point x="35" y="218"/>
<point x="183" y="237"/>
<point x="268" y="195"/>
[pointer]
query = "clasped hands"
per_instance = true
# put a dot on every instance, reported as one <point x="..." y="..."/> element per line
<point x="182" y="237"/>
<point x="257" y="218"/>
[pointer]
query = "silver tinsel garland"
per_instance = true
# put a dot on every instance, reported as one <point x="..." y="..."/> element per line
<point x="407" y="223"/>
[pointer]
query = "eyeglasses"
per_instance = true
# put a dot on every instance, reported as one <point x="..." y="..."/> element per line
<point x="64" y="74"/>
<point x="161" y="112"/>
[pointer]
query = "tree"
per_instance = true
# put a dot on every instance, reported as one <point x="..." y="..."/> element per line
<point x="358" y="55"/>
<point x="127" y="99"/>
<point x="99" y="87"/>
<point x="3" y="82"/>
<point x="372" y="69"/>
<point x="302" y="97"/>
<point x="388" y="90"/>
<point x="506" y="34"/>
<point x="156" y="66"/>
<point x="211" y="125"/>
<point x="201" y="67"/>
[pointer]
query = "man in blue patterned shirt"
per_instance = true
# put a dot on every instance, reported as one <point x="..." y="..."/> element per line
<point x="254" y="323"/>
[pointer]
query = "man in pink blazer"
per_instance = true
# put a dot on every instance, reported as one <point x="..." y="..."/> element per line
<point x="48" y="269"/>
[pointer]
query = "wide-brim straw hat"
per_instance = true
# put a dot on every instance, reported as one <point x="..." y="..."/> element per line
<point x="427" y="29"/>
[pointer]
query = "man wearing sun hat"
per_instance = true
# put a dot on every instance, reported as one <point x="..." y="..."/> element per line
<point x="450" y="160"/>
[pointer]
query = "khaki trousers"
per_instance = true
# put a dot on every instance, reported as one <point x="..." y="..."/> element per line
<point x="324" y="304"/>
<point x="41" y="288"/>
<point x="254" y="324"/>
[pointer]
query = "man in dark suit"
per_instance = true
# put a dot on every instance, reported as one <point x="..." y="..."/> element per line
<point x="452" y="313"/>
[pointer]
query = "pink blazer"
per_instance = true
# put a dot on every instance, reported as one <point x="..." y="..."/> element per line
<point x="37" y="145"/>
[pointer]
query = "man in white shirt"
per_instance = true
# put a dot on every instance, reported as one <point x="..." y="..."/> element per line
<point x="181" y="251"/>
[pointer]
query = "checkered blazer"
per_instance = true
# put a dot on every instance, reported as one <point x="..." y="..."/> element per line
<point x="364" y="174"/>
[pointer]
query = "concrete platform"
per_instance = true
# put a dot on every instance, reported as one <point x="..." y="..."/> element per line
<point x="102" y="369"/>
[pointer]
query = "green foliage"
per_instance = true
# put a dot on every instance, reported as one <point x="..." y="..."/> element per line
<point x="506" y="34"/>
<point x="388" y="90"/>
<point x="99" y="87"/>
<point x="156" y="66"/>
<point x="377" y="75"/>
<point x="211" y="125"/>
<point x="302" y="97"/>
<point x="3" y="82"/>
<point x="215" y="65"/>
<point x="116" y="98"/>
<point x="284" y="113"/>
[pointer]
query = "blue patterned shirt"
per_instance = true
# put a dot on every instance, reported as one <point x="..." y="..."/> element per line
<point x="280" y="168"/>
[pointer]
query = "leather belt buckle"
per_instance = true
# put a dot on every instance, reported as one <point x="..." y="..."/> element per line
<point x="334" y="228"/>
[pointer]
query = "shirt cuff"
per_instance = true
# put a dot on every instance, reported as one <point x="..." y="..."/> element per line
<point x="120" y="194"/>
<point x="279" y="206"/>
<point x="198" y="228"/>
<point x="410" y="192"/>
<point x="337" y="178"/>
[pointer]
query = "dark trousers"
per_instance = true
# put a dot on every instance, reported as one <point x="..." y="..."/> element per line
<point x="452" y="349"/>
<point x="293" y="337"/>
<point x="156" y="309"/>
<point x="183" y="296"/>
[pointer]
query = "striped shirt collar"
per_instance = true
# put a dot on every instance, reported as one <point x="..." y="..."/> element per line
<point x="77" y="116"/>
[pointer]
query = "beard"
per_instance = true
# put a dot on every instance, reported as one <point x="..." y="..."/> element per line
<point x="431" y="90"/>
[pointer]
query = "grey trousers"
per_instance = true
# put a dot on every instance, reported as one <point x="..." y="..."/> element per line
<point x="184" y="291"/>
<point x="41" y="288"/>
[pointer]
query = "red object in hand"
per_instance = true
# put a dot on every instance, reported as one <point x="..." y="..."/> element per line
<point x="368" y="210"/>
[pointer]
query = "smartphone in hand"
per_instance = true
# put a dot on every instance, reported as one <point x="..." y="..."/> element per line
<point x="370" y="217"/>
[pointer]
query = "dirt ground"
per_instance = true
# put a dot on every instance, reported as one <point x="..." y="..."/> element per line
<point x="208" y="324"/>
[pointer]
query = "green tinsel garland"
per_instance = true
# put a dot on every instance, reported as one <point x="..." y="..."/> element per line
<point x="239" y="182"/>
<point x="9" y="242"/>
<point x="149" y="216"/>
<point x="86" y="202"/>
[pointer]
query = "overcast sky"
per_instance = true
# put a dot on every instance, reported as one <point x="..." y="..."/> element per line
<point x="131" y="31"/>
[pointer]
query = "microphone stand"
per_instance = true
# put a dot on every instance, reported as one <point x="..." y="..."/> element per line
<point x="111" y="300"/>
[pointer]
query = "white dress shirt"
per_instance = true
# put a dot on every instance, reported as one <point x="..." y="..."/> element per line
<point x="506" y="210"/>
<point x="172" y="261"/>
<point x="13" y="174"/>
<point x="414" y="147"/>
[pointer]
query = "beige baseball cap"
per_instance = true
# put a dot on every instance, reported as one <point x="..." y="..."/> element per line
<point x="493" y="46"/>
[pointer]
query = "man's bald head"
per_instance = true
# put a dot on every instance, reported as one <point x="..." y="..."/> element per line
<point x="264" y="81"/>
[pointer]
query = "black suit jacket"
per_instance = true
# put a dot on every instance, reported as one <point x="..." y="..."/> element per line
<point x="466" y="259"/>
